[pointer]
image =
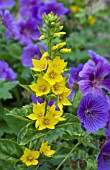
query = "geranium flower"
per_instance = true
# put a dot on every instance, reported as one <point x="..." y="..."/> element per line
<point x="7" y="4"/>
<point x="45" y="149"/>
<point x="104" y="157"/>
<point x="6" y="72"/>
<point x="29" y="52"/>
<point x="93" y="112"/>
<point x="93" y="77"/>
<point x="29" y="157"/>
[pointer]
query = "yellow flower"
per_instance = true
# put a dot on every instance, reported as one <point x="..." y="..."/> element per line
<point x="65" y="50"/>
<point x="45" y="149"/>
<point x="58" y="46"/>
<point x="45" y="55"/>
<point x="52" y="76"/>
<point x="42" y="37"/>
<point x="29" y="157"/>
<point x="55" y="113"/>
<point x="42" y="87"/>
<point x="91" y="20"/>
<point x="58" y="87"/>
<point x="38" y="111"/>
<point x="39" y="65"/>
<point x="62" y="98"/>
<point x="57" y="63"/>
<point x="75" y="8"/>
<point x="47" y="121"/>
<point x="59" y="34"/>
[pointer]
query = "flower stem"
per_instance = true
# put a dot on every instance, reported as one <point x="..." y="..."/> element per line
<point x="72" y="150"/>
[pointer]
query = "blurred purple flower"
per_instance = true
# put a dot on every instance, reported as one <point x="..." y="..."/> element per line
<point x="9" y="22"/>
<point x="30" y="52"/>
<point x="6" y="3"/>
<point x="27" y="7"/>
<point x="28" y="31"/>
<point x="93" y="77"/>
<point x="36" y="99"/>
<point x="6" y="72"/>
<point x="93" y="112"/>
<point x="104" y="157"/>
<point x="55" y="7"/>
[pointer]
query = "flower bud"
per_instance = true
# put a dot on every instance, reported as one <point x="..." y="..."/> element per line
<point x="82" y="164"/>
<point x="74" y="164"/>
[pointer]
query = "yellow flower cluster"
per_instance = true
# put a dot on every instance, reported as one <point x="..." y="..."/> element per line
<point x="30" y="157"/>
<point x="49" y="82"/>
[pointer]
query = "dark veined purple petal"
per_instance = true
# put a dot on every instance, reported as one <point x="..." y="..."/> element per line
<point x="96" y="57"/>
<point x="85" y="86"/>
<point x="102" y="69"/>
<point x="93" y="112"/>
<point x="106" y="84"/>
<point x="104" y="157"/>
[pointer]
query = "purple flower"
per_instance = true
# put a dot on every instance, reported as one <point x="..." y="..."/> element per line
<point x="97" y="57"/>
<point x="93" y="77"/>
<point x="6" y="72"/>
<point x="55" y="7"/>
<point x="6" y="3"/>
<point x="27" y="7"/>
<point x="28" y="31"/>
<point x="9" y="22"/>
<point x="74" y="74"/>
<point x="36" y="99"/>
<point x="30" y="52"/>
<point x="93" y="112"/>
<point x="104" y="157"/>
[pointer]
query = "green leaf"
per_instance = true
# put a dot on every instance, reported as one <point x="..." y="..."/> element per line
<point x="5" y="88"/>
<point x="10" y="153"/>
<point x="20" y="113"/>
<point x="29" y="133"/>
<point x="26" y="87"/>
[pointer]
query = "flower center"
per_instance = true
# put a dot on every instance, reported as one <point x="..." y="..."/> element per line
<point x="56" y="87"/>
<point x="46" y="122"/>
<point x="30" y="158"/>
<point x="88" y="112"/>
<point x="52" y="75"/>
<point x="42" y="88"/>
<point x="42" y="66"/>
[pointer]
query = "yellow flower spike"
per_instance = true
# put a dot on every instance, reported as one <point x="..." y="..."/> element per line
<point x="29" y="157"/>
<point x="38" y="111"/>
<point x="42" y="87"/>
<point x="91" y="20"/>
<point x="45" y="149"/>
<point x="59" y="34"/>
<point x="57" y="63"/>
<point x="45" y="55"/>
<point x="75" y="8"/>
<point x="65" y="50"/>
<point x="58" y="46"/>
<point x="42" y="37"/>
<point x="62" y="98"/>
<point x="39" y="65"/>
<point x="52" y="76"/>
<point x="58" y="87"/>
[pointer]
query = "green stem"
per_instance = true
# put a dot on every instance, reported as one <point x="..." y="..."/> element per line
<point x="46" y="105"/>
<point x="72" y="150"/>
<point x="49" y="42"/>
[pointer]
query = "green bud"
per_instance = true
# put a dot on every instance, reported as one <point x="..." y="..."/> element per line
<point x="75" y="86"/>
